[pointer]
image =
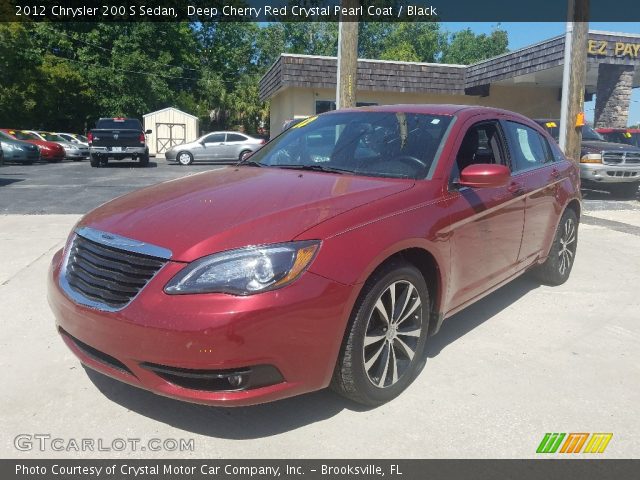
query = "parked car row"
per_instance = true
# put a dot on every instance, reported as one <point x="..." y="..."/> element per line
<point x="28" y="146"/>
<point x="604" y="162"/>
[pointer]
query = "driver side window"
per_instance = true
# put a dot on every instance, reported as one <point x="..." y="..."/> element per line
<point x="482" y="143"/>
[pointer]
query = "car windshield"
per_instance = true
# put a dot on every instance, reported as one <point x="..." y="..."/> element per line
<point x="118" y="124"/>
<point x="553" y="127"/>
<point x="23" y="135"/>
<point x="52" y="137"/>
<point x="627" y="138"/>
<point x="383" y="144"/>
<point x="5" y="136"/>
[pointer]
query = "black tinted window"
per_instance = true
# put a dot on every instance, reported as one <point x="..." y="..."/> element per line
<point x="234" y="137"/>
<point x="117" y="123"/>
<point x="214" y="138"/>
<point x="529" y="149"/>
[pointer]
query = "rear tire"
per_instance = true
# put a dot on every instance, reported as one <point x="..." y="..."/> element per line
<point x="184" y="158"/>
<point x="144" y="161"/>
<point x="94" y="161"/>
<point x="557" y="267"/>
<point x="624" y="190"/>
<point x="383" y="348"/>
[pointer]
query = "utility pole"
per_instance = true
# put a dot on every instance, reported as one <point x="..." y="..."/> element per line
<point x="347" y="55"/>
<point x="574" y="78"/>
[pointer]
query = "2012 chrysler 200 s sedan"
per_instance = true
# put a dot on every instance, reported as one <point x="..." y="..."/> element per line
<point x="328" y="257"/>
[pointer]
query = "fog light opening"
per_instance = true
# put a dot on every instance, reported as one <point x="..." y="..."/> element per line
<point x="236" y="381"/>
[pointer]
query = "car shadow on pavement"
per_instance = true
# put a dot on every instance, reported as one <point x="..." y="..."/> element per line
<point x="135" y="164"/>
<point x="476" y="314"/>
<point x="238" y="423"/>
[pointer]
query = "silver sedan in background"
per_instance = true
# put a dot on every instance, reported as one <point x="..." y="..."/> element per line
<point x="74" y="138"/>
<point x="215" y="147"/>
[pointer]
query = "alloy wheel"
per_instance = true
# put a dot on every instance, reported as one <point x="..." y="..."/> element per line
<point x="184" y="158"/>
<point x="392" y="334"/>
<point x="567" y="245"/>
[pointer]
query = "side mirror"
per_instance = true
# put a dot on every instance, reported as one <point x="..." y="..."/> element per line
<point x="484" y="175"/>
<point x="148" y="132"/>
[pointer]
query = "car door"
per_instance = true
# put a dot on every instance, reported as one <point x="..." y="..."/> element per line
<point x="212" y="147"/>
<point x="235" y="143"/>
<point x="486" y="223"/>
<point x="534" y="166"/>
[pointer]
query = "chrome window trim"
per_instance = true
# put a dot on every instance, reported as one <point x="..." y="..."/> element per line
<point x="114" y="241"/>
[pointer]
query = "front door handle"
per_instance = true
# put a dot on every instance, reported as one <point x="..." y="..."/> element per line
<point x="555" y="173"/>
<point x="515" y="188"/>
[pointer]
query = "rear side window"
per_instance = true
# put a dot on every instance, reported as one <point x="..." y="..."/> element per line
<point x="117" y="124"/>
<point x="234" y="137"/>
<point x="529" y="149"/>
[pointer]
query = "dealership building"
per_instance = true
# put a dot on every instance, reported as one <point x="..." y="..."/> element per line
<point x="528" y="81"/>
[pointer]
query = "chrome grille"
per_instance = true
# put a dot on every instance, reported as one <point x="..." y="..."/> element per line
<point x="104" y="276"/>
<point x="620" y="158"/>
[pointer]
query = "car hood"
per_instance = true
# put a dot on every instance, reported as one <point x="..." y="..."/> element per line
<point x="235" y="207"/>
<point x="19" y="143"/>
<point x="593" y="146"/>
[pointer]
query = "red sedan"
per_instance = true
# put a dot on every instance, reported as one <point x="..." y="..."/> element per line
<point x="49" y="151"/>
<point x="328" y="257"/>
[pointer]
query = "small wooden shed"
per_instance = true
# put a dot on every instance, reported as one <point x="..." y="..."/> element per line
<point x="170" y="127"/>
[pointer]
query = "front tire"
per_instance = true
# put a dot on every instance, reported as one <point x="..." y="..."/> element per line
<point x="184" y="158"/>
<point x="557" y="267"/>
<point x="244" y="154"/>
<point x="383" y="349"/>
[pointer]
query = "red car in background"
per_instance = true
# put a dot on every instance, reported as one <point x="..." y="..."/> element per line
<point x="328" y="257"/>
<point x="628" y="136"/>
<point x="49" y="151"/>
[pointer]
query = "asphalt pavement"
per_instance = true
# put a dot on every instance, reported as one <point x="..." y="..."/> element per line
<point x="526" y="360"/>
<point x="76" y="187"/>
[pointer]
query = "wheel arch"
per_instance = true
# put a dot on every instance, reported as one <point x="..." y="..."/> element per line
<point x="426" y="262"/>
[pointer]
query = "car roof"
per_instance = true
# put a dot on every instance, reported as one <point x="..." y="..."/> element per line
<point x="616" y="130"/>
<point x="434" y="109"/>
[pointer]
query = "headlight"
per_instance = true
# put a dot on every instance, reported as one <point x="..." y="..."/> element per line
<point x="245" y="271"/>
<point x="591" y="158"/>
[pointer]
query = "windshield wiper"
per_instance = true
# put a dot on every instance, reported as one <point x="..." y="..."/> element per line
<point x="317" y="168"/>
<point x="252" y="163"/>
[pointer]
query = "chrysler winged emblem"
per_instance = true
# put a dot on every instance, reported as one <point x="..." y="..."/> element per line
<point x="115" y="136"/>
<point x="121" y="242"/>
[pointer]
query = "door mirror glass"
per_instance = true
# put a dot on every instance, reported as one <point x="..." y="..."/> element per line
<point x="484" y="175"/>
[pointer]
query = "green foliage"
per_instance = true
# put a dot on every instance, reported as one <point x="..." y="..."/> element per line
<point x="465" y="47"/>
<point x="63" y="76"/>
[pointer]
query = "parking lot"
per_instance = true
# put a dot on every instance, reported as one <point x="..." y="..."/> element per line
<point x="526" y="360"/>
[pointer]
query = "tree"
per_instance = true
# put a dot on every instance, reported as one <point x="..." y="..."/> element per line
<point x="465" y="47"/>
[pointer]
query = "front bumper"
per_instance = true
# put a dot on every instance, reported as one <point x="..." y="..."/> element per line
<point x="297" y="329"/>
<point x="77" y="154"/>
<point x="170" y="155"/>
<point x="21" y="156"/>
<point x="601" y="173"/>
